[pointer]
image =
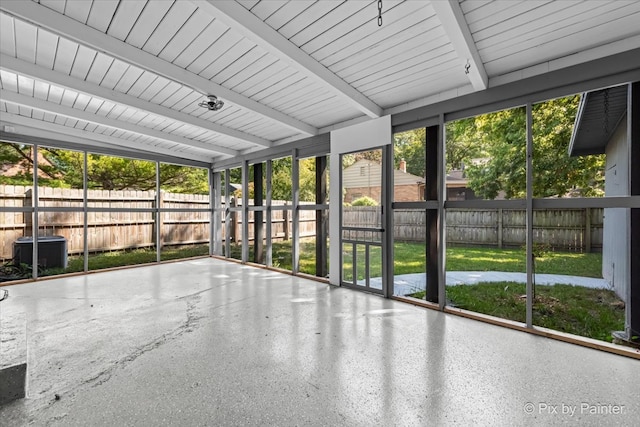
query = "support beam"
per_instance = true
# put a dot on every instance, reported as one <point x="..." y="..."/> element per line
<point x="431" y="194"/>
<point x="530" y="289"/>
<point x="41" y="129"/>
<point x="242" y="20"/>
<point x="74" y="113"/>
<point x="20" y="67"/>
<point x="455" y="26"/>
<point x="245" y="212"/>
<point x="75" y="31"/>
<point x="322" y="229"/>
<point x="258" y="226"/>
<point x="633" y="128"/>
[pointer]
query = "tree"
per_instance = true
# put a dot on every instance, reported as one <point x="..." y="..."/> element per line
<point x="63" y="168"/>
<point x="281" y="180"/>
<point x="410" y="146"/>
<point x="493" y="149"/>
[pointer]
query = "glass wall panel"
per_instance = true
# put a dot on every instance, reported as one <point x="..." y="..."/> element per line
<point x="257" y="216"/>
<point x="581" y="270"/>
<point x="409" y="165"/>
<point x="486" y="156"/>
<point x="313" y="224"/>
<point x="580" y="255"/>
<point x="121" y="198"/>
<point x="486" y="251"/>
<point x="565" y="170"/>
<point x="409" y="252"/>
<point x="184" y="235"/>
<point x="184" y="230"/>
<point x="60" y="233"/>
<point x="282" y="213"/>
<point x="234" y="186"/>
<point x="16" y="194"/>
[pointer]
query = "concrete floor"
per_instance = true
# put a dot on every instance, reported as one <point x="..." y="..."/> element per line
<point x="209" y="342"/>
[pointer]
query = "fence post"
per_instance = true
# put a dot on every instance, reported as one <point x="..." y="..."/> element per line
<point x="28" y="216"/>
<point x="285" y="222"/>
<point x="233" y="237"/>
<point x="587" y="230"/>
<point x="500" y="228"/>
<point x="160" y="219"/>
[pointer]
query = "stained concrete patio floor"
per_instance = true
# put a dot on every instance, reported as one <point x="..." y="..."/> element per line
<point x="210" y="342"/>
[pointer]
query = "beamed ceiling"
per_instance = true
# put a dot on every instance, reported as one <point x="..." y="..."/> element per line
<point x="131" y="73"/>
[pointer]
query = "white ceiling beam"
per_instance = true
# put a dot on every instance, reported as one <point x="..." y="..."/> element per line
<point x="240" y="19"/>
<point x="73" y="30"/>
<point x="74" y="113"/>
<point x="20" y="67"/>
<point x="455" y="26"/>
<point x="33" y="127"/>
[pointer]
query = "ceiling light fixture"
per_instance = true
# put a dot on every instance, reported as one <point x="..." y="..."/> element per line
<point x="213" y="104"/>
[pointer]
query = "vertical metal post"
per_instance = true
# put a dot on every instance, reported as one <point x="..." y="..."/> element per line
<point x="158" y="222"/>
<point x="633" y="132"/>
<point x="245" y="211"/>
<point x="321" y="218"/>
<point x="214" y="213"/>
<point x="529" y="217"/>
<point x="269" y="191"/>
<point x="295" y="213"/>
<point x="85" y="210"/>
<point x="227" y="217"/>
<point x="432" y="193"/>
<point x="387" y="223"/>
<point x="258" y="228"/>
<point x="36" y="227"/>
<point x="441" y="245"/>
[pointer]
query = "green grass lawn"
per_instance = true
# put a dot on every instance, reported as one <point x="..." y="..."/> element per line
<point x="592" y="313"/>
<point x="128" y="257"/>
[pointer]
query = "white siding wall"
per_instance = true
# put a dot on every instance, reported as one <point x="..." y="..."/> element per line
<point x="371" y="176"/>
<point x="615" y="248"/>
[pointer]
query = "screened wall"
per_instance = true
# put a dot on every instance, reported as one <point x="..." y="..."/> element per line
<point x="76" y="211"/>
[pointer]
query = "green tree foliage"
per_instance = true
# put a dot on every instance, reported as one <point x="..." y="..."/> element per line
<point x="364" y="201"/>
<point x="555" y="173"/>
<point x="501" y="165"/>
<point x="500" y="159"/>
<point x="63" y="168"/>
<point x="281" y="181"/>
<point x="410" y="146"/>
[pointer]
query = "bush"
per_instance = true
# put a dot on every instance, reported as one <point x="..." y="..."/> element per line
<point x="364" y="201"/>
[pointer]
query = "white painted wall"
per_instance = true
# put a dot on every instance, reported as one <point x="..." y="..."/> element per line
<point x="360" y="137"/>
<point x="615" y="243"/>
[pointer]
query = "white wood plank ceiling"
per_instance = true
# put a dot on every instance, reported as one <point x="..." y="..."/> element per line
<point x="132" y="72"/>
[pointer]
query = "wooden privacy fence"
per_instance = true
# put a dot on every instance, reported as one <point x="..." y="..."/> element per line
<point x="561" y="229"/>
<point x="126" y="229"/>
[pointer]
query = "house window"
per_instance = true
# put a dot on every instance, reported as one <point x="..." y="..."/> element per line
<point x="362" y="172"/>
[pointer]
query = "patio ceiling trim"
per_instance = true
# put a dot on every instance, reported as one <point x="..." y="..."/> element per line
<point x="74" y="113"/>
<point x="20" y="67"/>
<point x="83" y="34"/>
<point x="455" y="26"/>
<point x="56" y="135"/>
<point x="249" y="25"/>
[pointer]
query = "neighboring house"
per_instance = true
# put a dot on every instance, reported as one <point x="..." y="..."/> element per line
<point x="363" y="178"/>
<point x="601" y="128"/>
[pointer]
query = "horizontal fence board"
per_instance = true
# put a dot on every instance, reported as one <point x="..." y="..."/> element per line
<point x="560" y="229"/>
